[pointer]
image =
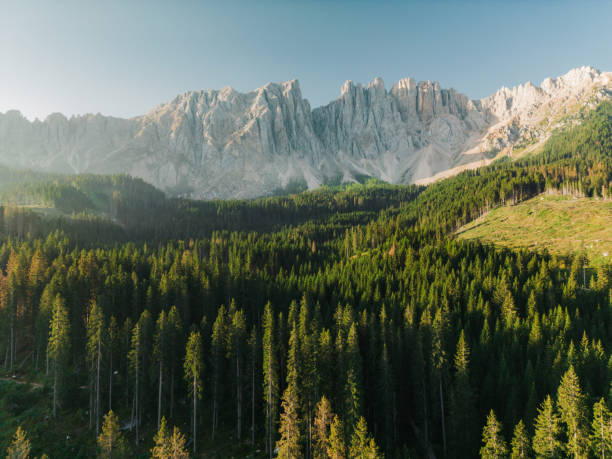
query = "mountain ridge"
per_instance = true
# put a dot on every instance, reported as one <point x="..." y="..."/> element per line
<point x="227" y="144"/>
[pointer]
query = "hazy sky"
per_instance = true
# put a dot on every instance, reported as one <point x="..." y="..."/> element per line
<point x="124" y="57"/>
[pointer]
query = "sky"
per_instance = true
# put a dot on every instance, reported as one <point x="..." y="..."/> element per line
<point x="124" y="57"/>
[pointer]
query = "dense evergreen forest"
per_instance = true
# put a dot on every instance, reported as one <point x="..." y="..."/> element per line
<point x="345" y="322"/>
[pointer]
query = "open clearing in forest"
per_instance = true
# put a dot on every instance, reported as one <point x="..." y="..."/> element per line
<point x="559" y="224"/>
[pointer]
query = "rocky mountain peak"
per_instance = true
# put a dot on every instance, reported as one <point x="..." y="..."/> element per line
<point x="228" y="144"/>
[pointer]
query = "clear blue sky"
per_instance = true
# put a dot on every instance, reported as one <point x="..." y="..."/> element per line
<point x="124" y="57"/>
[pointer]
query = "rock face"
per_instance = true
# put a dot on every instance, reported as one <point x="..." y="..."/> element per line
<point x="225" y="144"/>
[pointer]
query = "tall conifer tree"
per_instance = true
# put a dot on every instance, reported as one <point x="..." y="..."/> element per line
<point x="270" y="375"/>
<point x="59" y="346"/>
<point x="193" y="371"/>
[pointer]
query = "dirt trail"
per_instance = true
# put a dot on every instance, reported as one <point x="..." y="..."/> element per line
<point x="21" y="381"/>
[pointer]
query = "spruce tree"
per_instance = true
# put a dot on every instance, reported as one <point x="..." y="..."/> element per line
<point x="336" y="446"/>
<point x="111" y="443"/>
<point x="95" y="332"/>
<point x="462" y="406"/>
<point x="322" y="423"/>
<point x="237" y="350"/>
<point x="161" y="352"/>
<point x="601" y="430"/>
<point x="178" y="445"/>
<point x="289" y="444"/>
<point x="439" y="364"/>
<point x="493" y="443"/>
<point x="169" y="446"/>
<point x="521" y="445"/>
<point x="113" y="338"/>
<point x="45" y="312"/>
<point x="353" y="384"/>
<point x="270" y="375"/>
<point x="193" y="370"/>
<point x="218" y="346"/>
<point x="362" y="444"/>
<point x="138" y="359"/>
<point x="175" y="348"/>
<point x="570" y="403"/>
<point x="59" y="346"/>
<point x="546" y="443"/>
<point x="161" y="450"/>
<point x="20" y="446"/>
<point x="253" y="345"/>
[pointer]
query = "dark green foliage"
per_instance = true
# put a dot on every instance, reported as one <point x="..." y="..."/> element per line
<point x="359" y="294"/>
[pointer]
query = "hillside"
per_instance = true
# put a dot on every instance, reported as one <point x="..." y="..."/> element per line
<point x="561" y="225"/>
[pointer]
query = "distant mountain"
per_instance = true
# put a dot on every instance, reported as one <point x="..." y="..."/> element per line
<point x="226" y="144"/>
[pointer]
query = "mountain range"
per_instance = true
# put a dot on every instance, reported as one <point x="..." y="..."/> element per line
<point x="226" y="144"/>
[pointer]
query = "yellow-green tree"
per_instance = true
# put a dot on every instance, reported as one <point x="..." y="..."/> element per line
<point x="290" y="436"/>
<point x="546" y="442"/>
<point x="20" y="446"/>
<point x="521" y="446"/>
<point x="493" y="443"/>
<point x="59" y="346"/>
<point x="111" y="443"/>
<point x="363" y="445"/>
<point x="570" y="402"/>
<point x="169" y="446"/>
<point x="322" y="423"/>
<point x="336" y="446"/>
<point x="601" y="430"/>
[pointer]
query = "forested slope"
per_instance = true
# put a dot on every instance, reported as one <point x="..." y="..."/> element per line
<point x="282" y="322"/>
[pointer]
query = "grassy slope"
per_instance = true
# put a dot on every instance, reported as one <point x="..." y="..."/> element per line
<point x="559" y="224"/>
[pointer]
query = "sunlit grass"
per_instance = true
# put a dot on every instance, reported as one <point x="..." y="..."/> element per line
<point x="560" y="224"/>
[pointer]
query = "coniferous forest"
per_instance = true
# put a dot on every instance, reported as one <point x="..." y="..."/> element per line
<point x="344" y="322"/>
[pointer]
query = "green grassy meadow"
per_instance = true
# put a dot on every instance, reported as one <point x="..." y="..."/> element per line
<point x="559" y="224"/>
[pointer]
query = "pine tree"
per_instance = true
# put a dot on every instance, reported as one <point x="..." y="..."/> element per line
<point x="363" y="445"/>
<point x="111" y="443"/>
<point x="322" y="423"/>
<point x="336" y="446"/>
<point x="570" y="403"/>
<point x="193" y="370"/>
<point x="20" y="446"/>
<point x="59" y="346"/>
<point x="95" y="332"/>
<point x="546" y="442"/>
<point x="601" y="430"/>
<point x="270" y="375"/>
<point x="494" y="445"/>
<point x="521" y="446"/>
